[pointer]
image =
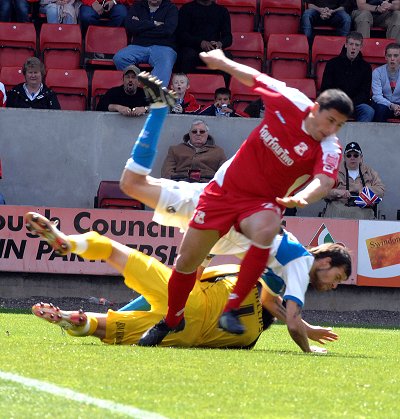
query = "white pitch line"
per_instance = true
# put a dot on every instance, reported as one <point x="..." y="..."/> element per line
<point x="80" y="397"/>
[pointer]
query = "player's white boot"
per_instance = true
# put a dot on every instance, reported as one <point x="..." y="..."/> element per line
<point x="46" y="229"/>
<point x="65" y="319"/>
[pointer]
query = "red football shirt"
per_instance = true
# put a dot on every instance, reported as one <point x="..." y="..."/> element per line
<point x="279" y="156"/>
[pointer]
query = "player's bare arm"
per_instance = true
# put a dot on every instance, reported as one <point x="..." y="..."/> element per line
<point x="317" y="189"/>
<point x="297" y="329"/>
<point x="216" y="60"/>
<point x="273" y="303"/>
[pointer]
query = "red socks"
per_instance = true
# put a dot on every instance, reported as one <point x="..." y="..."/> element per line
<point x="251" y="268"/>
<point x="179" y="287"/>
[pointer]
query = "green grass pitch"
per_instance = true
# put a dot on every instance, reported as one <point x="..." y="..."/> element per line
<point x="359" y="378"/>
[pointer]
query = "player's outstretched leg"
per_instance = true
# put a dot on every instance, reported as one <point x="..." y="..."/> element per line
<point x="145" y="147"/>
<point x="155" y="335"/>
<point x="76" y="323"/>
<point x="90" y="245"/>
<point x="46" y="229"/>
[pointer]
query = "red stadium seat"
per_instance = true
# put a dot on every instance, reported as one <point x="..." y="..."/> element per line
<point x="102" y="81"/>
<point x="60" y="45"/>
<point x="203" y="86"/>
<point x="373" y="50"/>
<point x="105" y="41"/>
<point x="241" y="95"/>
<point x="71" y="87"/>
<point x="248" y="48"/>
<point x="180" y="3"/>
<point x="306" y="86"/>
<point x="324" y="48"/>
<point x="110" y="196"/>
<point x="17" y="43"/>
<point x="288" y="55"/>
<point x="11" y="76"/>
<point x="280" y="16"/>
<point x="243" y="14"/>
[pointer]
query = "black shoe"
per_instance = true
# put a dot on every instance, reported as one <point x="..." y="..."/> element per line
<point x="229" y="321"/>
<point x="155" y="335"/>
<point x="154" y="91"/>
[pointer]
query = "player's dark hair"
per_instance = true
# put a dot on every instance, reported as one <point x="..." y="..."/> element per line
<point x="222" y="91"/>
<point x="340" y="255"/>
<point x="335" y="99"/>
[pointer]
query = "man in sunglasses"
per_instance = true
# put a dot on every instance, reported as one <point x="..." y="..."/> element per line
<point x="354" y="175"/>
<point x="295" y="145"/>
<point x="196" y="159"/>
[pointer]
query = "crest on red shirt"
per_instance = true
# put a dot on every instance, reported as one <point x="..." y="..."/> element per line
<point x="301" y="148"/>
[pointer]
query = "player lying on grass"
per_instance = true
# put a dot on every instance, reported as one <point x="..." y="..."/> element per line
<point x="325" y="266"/>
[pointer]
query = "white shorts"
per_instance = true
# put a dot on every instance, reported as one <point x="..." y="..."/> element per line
<point x="175" y="208"/>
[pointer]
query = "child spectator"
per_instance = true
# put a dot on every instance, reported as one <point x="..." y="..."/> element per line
<point x="3" y="95"/>
<point x="222" y="105"/>
<point x="186" y="102"/>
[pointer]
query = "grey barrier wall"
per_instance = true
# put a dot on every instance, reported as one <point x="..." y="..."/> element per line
<point x="58" y="158"/>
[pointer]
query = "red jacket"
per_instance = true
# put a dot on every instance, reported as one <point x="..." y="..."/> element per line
<point x="189" y="104"/>
<point x="90" y="2"/>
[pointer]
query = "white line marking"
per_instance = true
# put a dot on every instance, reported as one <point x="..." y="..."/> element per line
<point x="80" y="397"/>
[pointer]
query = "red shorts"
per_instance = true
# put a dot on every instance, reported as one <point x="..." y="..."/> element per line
<point x="219" y="209"/>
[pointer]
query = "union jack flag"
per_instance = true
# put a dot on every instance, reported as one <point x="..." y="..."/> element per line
<point x="367" y="198"/>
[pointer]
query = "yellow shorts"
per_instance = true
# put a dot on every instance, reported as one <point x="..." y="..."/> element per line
<point x="203" y="309"/>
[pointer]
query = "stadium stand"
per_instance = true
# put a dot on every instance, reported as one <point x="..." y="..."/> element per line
<point x="305" y="85"/>
<point x="324" y="48"/>
<point x="101" y="43"/>
<point x="17" y="43"/>
<point x="248" y="48"/>
<point x="373" y="50"/>
<point x="288" y="55"/>
<point x="243" y="14"/>
<point x="11" y="76"/>
<point x="110" y="196"/>
<point x="60" y="45"/>
<point x="279" y="16"/>
<point x="102" y="81"/>
<point x="241" y="95"/>
<point x="71" y="87"/>
<point x="203" y="86"/>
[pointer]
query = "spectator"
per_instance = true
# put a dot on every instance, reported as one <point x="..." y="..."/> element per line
<point x="384" y="14"/>
<point x="353" y="176"/>
<point x="222" y="104"/>
<point x="60" y="11"/>
<point x="386" y="85"/>
<point x="186" y="102"/>
<point x="33" y="93"/>
<point x="3" y="95"/>
<point x="151" y="24"/>
<point x="352" y="74"/>
<point x="128" y="99"/>
<point x="196" y="159"/>
<point x="21" y="8"/>
<point x="93" y="12"/>
<point x="203" y="26"/>
<point x="325" y="13"/>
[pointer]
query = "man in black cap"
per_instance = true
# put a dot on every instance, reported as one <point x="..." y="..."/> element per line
<point x="128" y="99"/>
<point x="346" y="200"/>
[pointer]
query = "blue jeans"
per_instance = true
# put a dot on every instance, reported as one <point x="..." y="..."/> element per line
<point x="363" y="113"/>
<point x="311" y="17"/>
<point x="116" y="16"/>
<point x="21" y="10"/>
<point x="161" y="58"/>
<point x="51" y="11"/>
<point x="382" y="112"/>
